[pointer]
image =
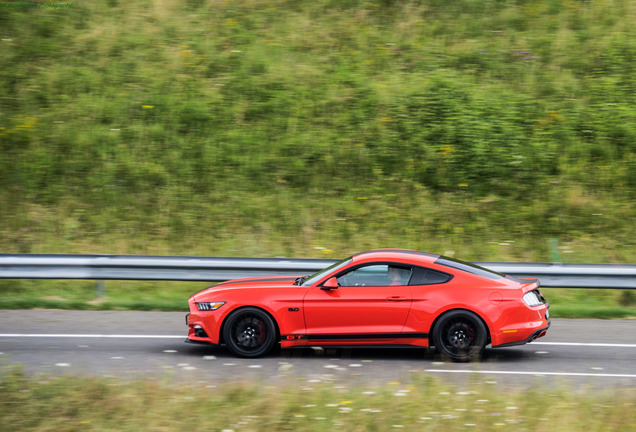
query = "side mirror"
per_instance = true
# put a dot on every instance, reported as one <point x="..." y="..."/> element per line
<point x="331" y="283"/>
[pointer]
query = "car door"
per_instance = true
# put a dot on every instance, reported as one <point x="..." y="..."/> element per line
<point x="369" y="304"/>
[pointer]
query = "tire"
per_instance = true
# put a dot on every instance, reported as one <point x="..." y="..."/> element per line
<point x="460" y="335"/>
<point x="249" y="332"/>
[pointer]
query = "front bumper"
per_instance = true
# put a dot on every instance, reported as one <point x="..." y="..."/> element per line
<point x="197" y="332"/>
<point x="195" y="342"/>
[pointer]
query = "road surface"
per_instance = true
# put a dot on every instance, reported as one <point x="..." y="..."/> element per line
<point x="575" y="353"/>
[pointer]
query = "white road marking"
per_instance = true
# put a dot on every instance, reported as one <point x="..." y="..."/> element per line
<point x="494" y="372"/>
<point x="586" y="344"/>
<point x="91" y="336"/>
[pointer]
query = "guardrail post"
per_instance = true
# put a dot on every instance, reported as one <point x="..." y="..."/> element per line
<point x="555" y="253"/>
<point x="100" y="288"/>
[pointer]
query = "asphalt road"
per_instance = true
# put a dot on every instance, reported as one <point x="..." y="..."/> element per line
<point x="595" y="354"/>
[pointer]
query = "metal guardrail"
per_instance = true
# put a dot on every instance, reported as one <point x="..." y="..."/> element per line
<point x="137" y="267"/>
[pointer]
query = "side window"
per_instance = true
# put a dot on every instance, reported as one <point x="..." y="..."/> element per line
<point x="376" y="275"/>
<point x="424" y="276"/>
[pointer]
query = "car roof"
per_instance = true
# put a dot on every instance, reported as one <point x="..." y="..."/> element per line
<point x="396" y="255"/>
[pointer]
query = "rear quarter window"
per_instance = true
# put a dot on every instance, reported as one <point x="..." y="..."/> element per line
<point x="424" y="276"/>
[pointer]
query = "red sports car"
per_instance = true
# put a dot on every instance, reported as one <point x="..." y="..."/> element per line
<point x="386" y="297"/>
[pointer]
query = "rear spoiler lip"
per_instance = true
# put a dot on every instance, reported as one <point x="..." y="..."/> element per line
<point x="529" y="284"/>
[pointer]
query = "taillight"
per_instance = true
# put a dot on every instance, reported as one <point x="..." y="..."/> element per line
<point x="533" y="298"/>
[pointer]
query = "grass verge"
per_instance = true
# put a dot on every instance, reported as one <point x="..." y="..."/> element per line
<point x="98" y="404"/>
<point x="591" y="303"/>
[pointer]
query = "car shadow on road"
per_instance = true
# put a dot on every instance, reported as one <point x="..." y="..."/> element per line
<point x="490" y="355"/>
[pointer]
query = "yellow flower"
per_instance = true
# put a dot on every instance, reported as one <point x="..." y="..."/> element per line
<point x="26" y="122"/>
<point x="447" y="150"/>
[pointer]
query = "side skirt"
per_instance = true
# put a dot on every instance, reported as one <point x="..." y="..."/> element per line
<point x="353" y="337"/>
<point x="345" y="346"/>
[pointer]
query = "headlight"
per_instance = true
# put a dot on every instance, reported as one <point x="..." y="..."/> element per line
<point x="209" y="306"/>
<point x="532" y="299"/>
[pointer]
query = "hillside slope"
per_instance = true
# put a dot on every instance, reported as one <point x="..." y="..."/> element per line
<point x="266" y="128"/>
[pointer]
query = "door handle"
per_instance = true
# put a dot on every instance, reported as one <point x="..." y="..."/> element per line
<point x="396" y="298"/>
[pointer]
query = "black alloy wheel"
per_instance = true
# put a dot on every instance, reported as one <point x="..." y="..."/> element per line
<point x="249" y="332"/>
<point x="460" y="335"/>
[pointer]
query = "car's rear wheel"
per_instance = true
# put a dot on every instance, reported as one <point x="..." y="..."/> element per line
<point x="460" y="335"/>
<point x="249" y="332"/>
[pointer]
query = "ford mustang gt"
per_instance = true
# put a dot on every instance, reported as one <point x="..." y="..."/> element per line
<point x="386" y="297"/>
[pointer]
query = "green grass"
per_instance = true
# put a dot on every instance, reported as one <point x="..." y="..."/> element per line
<point x="88" y="295"/>
<point x="98" y="404"/>
<point x="261" y="128"/>
<point x="591" y="303"/>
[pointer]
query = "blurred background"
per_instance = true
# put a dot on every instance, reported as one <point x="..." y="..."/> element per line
<point x="319" y="128"/>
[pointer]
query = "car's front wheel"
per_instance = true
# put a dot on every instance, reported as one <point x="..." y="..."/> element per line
<point x="460" y="335"/>
<point x="249" y="332"/>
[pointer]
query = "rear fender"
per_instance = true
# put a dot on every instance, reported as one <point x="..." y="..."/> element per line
<point x="432" y="330"/>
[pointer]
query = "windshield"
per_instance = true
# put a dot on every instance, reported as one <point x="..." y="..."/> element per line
<point x="468" y="267"/>
<point x="316" y="276"/>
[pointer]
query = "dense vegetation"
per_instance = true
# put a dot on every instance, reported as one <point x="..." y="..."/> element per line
<point x="320" y="127"/>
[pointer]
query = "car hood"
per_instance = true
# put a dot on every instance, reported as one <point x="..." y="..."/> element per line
<point x="256" y="282"/>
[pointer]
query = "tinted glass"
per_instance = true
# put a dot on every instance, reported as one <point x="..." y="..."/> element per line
<point x="424" y="276"/>
<point x="468" y="267"/>
<point x="376" y="275"/>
